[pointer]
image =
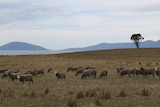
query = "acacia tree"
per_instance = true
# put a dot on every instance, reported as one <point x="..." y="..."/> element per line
<point x="136" y="38"/>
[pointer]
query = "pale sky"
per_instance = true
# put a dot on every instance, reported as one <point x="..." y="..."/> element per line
<point x="61" y="24"/>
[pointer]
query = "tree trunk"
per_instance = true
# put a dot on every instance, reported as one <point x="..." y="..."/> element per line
<point x="137" y="44"/>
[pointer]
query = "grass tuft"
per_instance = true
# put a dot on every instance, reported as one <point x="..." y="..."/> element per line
<point x="97" y="101"/>
<point x="25" y="94"/>
<point x="33" y="94"/>
<point x="105" y="95"/>
<point x="70" y="92"/>
<point x="91" y="93"/>
<point x="0" y="91"/>
<point x="46" y="91"/>
<point x="122" y="93"/>
<point x="145" y="92"/>
<point x="80" y="94"/>
<point x="72" y="102"/>
<point x="7" y="93"/>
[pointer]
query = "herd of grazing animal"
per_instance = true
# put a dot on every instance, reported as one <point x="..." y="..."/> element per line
<point x="135" y="71"/>
<point x="16" y="75"/>
<point x="84" y="72"/>
<point x="87" y="72"/>
<point x="121" y="71"/>
<point x="22" y="77"/>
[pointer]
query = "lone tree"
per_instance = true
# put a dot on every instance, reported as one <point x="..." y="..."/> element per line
<point x="136" y="38"/>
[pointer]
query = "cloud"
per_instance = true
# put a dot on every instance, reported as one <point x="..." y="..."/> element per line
<point x="70" y="14"/>
<point x="60" y="24"/>
<point x="19" y="11"/>
<point x="144" y="8"/>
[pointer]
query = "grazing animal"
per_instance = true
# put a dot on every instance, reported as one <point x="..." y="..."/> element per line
<point x="89" y="72"/>
<point x="6" y="73"/>
<point x="3" y="70"/>
<point x="79" y="71"/>
<point x="60" y="75"/>
<point x="157" y="70"/>
<point x="119" y="69"/>
<point x="73" y="68"/>
<point x="89" y="67"/>
<point x="138" y="71"/>
<point x="148" y="71"/>
<point x="13" y="76"/>
<point x="70" y="69"/>
<point x="25" y="77"/>
<point x="124" y="72"/>
<point x="103" y="74"/>
<point x="40" y="71"/>
<point x="33" y="72"/>
<point x="49" y="70"/>
<point x="85" y="74"/>
<point x="133" y="70"/>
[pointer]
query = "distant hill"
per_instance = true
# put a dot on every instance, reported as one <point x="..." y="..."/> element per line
<point x="104" y="46"/>
<point x="21" y="46"/>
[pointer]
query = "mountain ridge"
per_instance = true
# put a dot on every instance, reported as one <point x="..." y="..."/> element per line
<point x="104" y="46"/>
<point x="21" y="46"/>
<point x="101" y="46"/>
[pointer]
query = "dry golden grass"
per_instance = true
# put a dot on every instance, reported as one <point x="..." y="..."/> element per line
<point x="47" y="91"/>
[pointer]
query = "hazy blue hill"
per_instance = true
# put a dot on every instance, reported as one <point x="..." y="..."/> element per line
<point x="21" y="46"/>
<point x="103" y="46"/>
<point x="150" y="44"/>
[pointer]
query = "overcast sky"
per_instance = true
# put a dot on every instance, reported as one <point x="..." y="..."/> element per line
<point x="61" y="24"/>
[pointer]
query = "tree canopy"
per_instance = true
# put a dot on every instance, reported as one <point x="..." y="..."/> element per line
<point x="136" y="38"/>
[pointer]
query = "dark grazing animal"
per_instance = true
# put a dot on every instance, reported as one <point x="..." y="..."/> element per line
<point x="133" y="70"/>
<point x="72" y="69"/>
<point x="79" y="71"/>
<point x="104" y="73"/>
<point x="124" y="72"/>
<point x="6" y="73"/>
<point x="157" y="70"/>
<point x="13" y="76"/>
<point x="89" y="72"/>
<point x="49" y="70"/>
<point x="33" y="72"/>
<point x="40" y="71"/>
<point x="3" y="70"/>
<point x="60" y="75"/>
<point x="90" y="67"/>
<point x="119" y="69"/>
<point x="139" y="71"/>
<point x="85" y="74"/>
<point x="25" y="77"/>
<point x="148" y="71"/>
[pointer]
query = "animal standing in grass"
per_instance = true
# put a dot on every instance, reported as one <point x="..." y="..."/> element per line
<point x="25" y="77"/>
<point x="148" y="71"/>
<point x="89" y="72"/>
<point x="60" y="75"/>
<point x="79" y="71"/>
<point x="157" y="72"/>
<point x="13" y="76"/>
<point x="104" y="73"/>
<point x="119" y="69"/>
<point x="49" y="70"/>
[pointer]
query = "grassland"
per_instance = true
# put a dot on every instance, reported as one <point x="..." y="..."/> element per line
<point x="113" y="91"/>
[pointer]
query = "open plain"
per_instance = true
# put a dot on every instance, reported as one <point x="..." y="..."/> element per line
<point x="111" y="91"/>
